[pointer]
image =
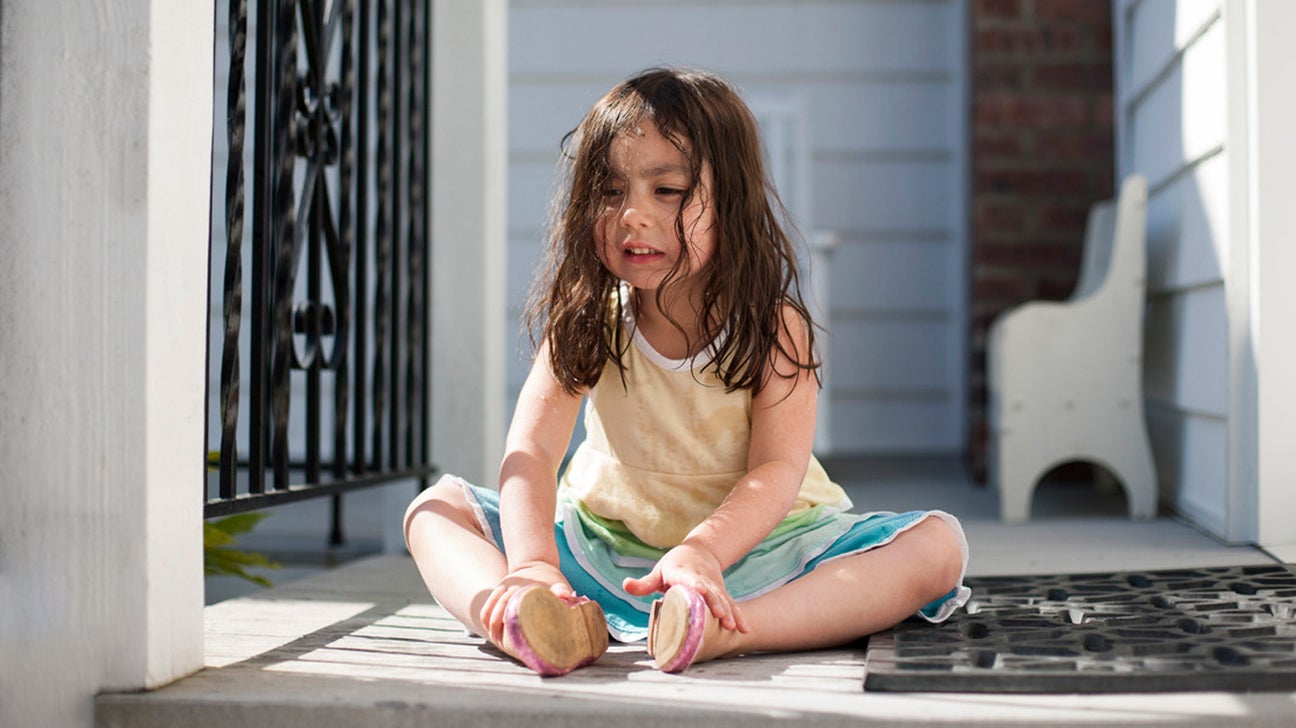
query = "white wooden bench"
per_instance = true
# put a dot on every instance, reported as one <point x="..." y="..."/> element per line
<point x="1066" y="378"/>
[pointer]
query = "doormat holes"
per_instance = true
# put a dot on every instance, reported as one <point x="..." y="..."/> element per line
<point x="1230" y="629"/>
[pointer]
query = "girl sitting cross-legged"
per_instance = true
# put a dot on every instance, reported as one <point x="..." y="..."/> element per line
<point x="693" y="515"/>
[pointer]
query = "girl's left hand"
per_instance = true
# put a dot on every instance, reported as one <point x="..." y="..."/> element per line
<point x="696" y="567"/>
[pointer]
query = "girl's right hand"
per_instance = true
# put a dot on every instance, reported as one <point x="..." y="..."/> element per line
<point x="540" y="574"/>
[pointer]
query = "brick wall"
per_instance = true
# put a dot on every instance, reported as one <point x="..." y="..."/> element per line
<point x="1042" y="153"/>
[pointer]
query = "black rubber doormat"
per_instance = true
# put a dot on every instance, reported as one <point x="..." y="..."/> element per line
<point x="1231" y="629"/>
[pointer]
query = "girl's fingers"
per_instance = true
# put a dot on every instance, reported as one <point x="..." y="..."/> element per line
<point x="740" y="620"/>
<point x="644" y="586"/>
<point x="725" y="608"/>
<point x="720" y="604"/>
<point x="494" y="626"/>
<point x="487" y="610"/>
<point x="492" y="614"/>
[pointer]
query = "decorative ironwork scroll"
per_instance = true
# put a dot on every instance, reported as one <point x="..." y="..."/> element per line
<point x="323" y="368"/>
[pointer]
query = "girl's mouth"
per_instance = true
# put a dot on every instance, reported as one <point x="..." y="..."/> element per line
<point x="639" y="253"/>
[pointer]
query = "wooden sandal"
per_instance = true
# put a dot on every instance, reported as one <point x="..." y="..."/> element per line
<point x="553" y="636"/>
<point x="679" y="627"/>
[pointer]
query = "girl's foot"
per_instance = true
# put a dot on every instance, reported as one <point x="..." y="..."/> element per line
<point x="682" y="630"/>
<point x="553" y="636"/>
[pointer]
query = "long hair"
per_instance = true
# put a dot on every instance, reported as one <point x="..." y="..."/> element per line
<point x="751" y="281"/>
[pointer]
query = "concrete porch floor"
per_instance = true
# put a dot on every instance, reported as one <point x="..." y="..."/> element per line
<point x="364" y="645"/>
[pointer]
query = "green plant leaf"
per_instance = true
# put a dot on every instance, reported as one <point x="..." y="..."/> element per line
<point x="214" y="537"/>
<point x="240" y="523"/>
<point x="221" y="558"/>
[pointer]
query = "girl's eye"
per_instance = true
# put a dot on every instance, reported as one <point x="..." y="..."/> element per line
<point x="611" y="192"/>
<point x="669" y="191"/>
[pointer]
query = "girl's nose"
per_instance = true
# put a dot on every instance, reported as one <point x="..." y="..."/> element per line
<point x="633" y="215"/>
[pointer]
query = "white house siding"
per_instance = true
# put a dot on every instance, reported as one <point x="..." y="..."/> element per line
<point x="1173" y="126"/>
<point x="870" y="97"/>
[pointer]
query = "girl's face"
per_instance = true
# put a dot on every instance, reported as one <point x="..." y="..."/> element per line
<point x="636" y="234"/>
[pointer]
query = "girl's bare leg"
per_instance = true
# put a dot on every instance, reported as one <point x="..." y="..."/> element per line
<point x="849" y="598"/>
<point x="458" y="563"/>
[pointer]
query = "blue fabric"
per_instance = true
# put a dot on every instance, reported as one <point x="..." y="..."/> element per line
<point x="596" y="571"/>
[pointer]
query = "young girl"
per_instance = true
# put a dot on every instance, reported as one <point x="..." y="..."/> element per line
<point x="693" y="514"/>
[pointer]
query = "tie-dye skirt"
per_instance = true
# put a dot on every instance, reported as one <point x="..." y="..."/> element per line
<point x="597" y="557"/>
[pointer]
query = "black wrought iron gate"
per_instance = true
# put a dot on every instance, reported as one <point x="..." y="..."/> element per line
<point x="322" y="338"/>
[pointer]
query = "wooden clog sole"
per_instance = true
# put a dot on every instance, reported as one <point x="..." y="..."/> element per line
<point x="678" y="623"/>
<point x="552" y="636"/>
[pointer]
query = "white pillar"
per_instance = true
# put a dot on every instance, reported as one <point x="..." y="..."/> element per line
<point x="1272" y="162"/>
<point x="469" y="227"/>
<point x="105" y="139"/>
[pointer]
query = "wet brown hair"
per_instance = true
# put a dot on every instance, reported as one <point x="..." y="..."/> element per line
<point x="751" y="281"/>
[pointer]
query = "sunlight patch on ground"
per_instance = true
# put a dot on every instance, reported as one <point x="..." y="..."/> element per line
<point x="241" y="629"/>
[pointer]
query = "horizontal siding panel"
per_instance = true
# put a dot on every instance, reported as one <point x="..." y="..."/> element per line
<point x="1186" y="351"/>
<point x="531" y="185"/>
<point x="848" y="116"/>
<point x="1191" y="453"/>
<point x="760" y="38"/>
<point x="519" y="357"/>
<point x="1187" y="229"/>
<point x="893" y="426"/>
<point x="523" y="261"/>
<point x="1158" y="30"/>
<point x="1184" y="117"/>
<point x="1150" y="42"/>
<point x="1191" y="16"/>
<point x="892" y="195"/>
<point x="1205" y="93"/>
<point x="1155" y="131"/>
<point x="892" y="276"/>
<point x="872" y="115"/>
<point x="540" y="113"/>
<point x="905" y="355"/>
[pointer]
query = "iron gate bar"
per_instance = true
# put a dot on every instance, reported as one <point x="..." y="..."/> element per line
<point x="261" y="161"/>
<point x="383" y="242"/>
<point x="347" y="243"/>
<point x="282" y="241"/>
<point x="394" y="220"/>
<point x="414" y="440"/>
<point x="236" y="108"/>
<point x="304" y="217"/>
<point x="360" y="350"/>
<point x="298" y="493"/>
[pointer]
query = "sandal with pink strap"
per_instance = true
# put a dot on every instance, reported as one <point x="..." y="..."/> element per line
<point x="682" y="630"/>
<point x="551" y="635"/>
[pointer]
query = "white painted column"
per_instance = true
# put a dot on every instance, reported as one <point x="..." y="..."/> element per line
<point x="1262" y="261"/>
<point x="1272" y="163"/>
<point x="105" y="143"/>
<point x="469" y="226"/>
<point x="1242" y="418"/>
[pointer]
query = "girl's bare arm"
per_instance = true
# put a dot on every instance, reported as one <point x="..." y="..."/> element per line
<point x="537" y="441"/>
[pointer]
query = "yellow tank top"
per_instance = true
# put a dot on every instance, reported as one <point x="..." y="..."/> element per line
<point x="663" y="449"/>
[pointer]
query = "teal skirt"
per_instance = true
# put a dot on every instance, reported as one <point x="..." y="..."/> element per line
<point x="596" y="562"/>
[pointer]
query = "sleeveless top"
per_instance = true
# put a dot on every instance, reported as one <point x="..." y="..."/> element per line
<point x="664" y="448"/>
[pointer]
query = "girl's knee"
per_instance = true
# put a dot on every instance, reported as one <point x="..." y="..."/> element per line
<point x="444" y="498"/>
<point x="943" y="546"/>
